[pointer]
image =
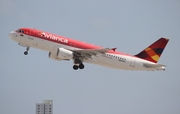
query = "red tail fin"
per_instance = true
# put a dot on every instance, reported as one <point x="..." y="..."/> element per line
<point x="154" y="51"/>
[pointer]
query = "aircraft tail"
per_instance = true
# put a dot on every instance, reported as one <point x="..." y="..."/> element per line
<point x="154" y="51"/>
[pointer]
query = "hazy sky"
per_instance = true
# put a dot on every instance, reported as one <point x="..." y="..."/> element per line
<point x="129" y="25"/>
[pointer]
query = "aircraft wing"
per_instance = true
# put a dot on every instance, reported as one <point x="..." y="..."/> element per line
<point x="87" y="53"/>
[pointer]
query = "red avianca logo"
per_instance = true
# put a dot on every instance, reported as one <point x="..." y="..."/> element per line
<point x="53" y="37"/>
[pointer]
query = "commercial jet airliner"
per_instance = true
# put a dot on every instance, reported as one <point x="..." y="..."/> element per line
<point x="62" y="48"/>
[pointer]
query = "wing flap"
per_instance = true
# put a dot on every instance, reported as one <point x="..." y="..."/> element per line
<point x="87" y="53"/>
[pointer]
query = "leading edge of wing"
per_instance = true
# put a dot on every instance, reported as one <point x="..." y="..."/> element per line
<point x="93" y="51"/>
<point x="102" y="50"/>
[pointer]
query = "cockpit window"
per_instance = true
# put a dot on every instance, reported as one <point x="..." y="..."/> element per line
<point x="20" y="31"/>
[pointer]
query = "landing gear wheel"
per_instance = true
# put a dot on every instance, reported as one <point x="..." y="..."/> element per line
<point x="25" y="53"/>
<point x="81" y="66"/>
<point x="75" y="67"/>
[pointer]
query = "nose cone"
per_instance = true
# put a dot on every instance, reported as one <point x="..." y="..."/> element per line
<point x="11" y="35"/>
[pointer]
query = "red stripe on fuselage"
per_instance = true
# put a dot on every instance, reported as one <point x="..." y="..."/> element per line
<point x="63" y="40"/>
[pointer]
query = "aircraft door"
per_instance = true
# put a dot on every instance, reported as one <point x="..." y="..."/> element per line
<point x="132" y="63"/>
<point x="32" y="38"/>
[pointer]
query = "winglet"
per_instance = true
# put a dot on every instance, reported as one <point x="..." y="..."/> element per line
<point x="114" y="49"/>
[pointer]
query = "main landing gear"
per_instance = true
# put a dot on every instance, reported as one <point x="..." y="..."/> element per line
<point x="81" y="66"/>
<point x="78" y="64"/>
<point x="26" y="52"/>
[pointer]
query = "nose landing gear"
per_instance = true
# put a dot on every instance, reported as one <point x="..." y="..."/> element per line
<point x="26" y="52"/>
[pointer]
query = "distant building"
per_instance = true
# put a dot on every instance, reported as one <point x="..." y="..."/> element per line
<point x="44" y="108"/>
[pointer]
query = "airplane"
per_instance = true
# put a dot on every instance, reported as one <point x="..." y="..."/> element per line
<point x="62" y="48"/>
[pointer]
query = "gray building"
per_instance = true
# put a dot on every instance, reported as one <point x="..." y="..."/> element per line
<point x="44" y="108"/>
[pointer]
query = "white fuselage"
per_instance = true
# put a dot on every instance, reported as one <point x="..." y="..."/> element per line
<point x="117" y="61"/>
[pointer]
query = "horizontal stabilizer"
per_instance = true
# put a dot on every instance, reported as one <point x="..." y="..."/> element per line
<point x="153" y="65"/>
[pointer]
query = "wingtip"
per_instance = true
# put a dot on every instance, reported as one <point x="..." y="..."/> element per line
<point x="114" y="49"/>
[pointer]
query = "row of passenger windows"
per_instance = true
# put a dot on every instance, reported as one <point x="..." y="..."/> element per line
<point x="43" y="105"/>
<point x="115" y="57"/>
<point x="46" y="108"/>
<point x="42" y="111"/>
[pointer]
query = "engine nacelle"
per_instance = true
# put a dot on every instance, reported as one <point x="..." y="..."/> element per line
<point x="54" y="57"/>
<point x="61" y="54"/>
<point x="64" y="53"/>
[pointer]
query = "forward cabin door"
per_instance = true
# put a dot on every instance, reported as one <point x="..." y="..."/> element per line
<point x="33" y="39"/>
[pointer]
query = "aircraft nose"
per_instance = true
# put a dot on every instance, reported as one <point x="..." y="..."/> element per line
<point x="11" y="34"/>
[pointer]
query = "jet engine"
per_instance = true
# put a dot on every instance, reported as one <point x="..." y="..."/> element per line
<point x="61" y="54"/>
